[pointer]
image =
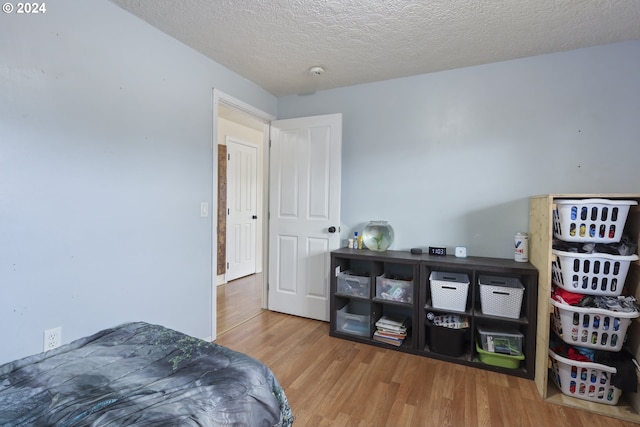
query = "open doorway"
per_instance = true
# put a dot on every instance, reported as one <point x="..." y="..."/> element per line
<point x="241" y="295"/>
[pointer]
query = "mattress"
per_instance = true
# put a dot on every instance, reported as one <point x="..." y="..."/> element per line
<point x="145" y="375"/>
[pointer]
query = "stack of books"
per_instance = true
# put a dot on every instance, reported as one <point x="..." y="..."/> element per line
<point x="391" y="330"/>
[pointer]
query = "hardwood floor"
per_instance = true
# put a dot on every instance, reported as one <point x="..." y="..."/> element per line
<point x="238" y="301"/>
<point x="334" y="382"/>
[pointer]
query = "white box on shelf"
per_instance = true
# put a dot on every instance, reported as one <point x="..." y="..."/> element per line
<point x="449" y="290"/>
<point x="501" y="296"/>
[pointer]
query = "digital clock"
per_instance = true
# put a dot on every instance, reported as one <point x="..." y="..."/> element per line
<point x="436" y="250"/>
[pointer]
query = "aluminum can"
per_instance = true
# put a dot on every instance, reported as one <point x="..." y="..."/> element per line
<point x="521" y="253"/>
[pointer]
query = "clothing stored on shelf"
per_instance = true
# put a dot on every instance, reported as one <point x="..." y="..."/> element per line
<point x="626" y="246"/>
<point x="625" y="304"/>
<point x="566" y="297"/>
<point x="625" y="378"/>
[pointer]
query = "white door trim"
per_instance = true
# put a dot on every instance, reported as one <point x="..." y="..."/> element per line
<point x="218" y="98"/>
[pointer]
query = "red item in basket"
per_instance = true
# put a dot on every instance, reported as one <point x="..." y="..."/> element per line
<point x="566" y="297"/>
<point x="576" y="355"/>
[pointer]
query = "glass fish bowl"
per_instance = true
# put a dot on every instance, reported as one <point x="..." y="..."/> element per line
<point x="377" y="236"/>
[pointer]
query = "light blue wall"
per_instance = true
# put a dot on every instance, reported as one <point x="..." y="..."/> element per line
<point x="105" y="157"/>
<point x="451" y="158"/>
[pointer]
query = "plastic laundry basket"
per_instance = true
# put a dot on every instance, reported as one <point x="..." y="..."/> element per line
<point x="590" y="220"/>
<point x="584" y="380"/>
<point x="591" y="327"/>
<point x="591" y="274"/>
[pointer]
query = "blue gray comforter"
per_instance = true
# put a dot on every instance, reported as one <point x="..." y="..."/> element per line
<point x="144" y="375"/>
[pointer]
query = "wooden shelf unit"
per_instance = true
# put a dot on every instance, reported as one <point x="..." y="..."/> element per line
<point x="540" y="245"/>
<point x="418" y="268"/>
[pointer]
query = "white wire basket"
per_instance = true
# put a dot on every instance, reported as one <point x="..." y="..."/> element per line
<point x="584" y="380"/>
<point x="591" y="274"/>
<point x="591" y="327"/>
<point x="590" y="220"/>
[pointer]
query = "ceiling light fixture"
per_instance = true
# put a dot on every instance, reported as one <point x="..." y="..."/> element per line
<point x="316" y="71"/>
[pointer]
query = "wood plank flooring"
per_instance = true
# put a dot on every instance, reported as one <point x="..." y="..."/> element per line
<point x="334" y="382"/>
<point x="238" y="301"/>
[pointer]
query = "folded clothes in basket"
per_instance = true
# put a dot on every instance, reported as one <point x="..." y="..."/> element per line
<point x="626" y="246"/>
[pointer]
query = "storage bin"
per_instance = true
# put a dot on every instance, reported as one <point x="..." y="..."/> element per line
<point x="501" y="296"/>
<point x="394" y="289"/>
<point x="447" y="341"/>
<point x="590" y="327"/>
<point x="591" y="274"/>
<point x="449" y="290"/>
<point x="500" y="340"/>
<point x="590" y="220"/>
<point x="350" y="283"/>
<point x="354" y="318"/>
<point x="584" y="380"/>
<point x="497" y="359"/>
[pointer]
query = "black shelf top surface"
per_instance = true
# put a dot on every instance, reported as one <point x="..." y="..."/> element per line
<point x="472" y="262"/>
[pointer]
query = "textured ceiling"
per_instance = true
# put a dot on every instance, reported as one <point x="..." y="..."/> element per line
<point x="274" y="43"/>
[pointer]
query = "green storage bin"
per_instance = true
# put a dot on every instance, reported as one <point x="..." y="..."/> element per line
<point x="498" y="359"/>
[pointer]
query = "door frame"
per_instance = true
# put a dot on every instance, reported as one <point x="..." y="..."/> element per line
<point x="220" y="97"/>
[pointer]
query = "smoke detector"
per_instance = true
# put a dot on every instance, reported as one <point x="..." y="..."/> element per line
<point x="316" y="71"/>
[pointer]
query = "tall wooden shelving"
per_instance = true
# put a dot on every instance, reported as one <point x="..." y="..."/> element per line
<point x="540" y="255"/>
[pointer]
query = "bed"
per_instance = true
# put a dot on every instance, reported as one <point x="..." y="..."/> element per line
<point x="141" y="374"/>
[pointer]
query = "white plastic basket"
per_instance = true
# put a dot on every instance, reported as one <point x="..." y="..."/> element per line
<point x="590" y="220"/>
<point x="591" y="327"/>
<point x="591" y="274"/>
<point x="584" y="380"/>
<point x="501" y="296"/>
<point x="449" y="290"/>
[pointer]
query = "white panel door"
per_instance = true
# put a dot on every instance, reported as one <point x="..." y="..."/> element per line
<point x="242" y="208"/>
<point x="304" y="208"/>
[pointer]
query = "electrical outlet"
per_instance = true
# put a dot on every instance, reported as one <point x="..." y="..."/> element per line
<point x="52" y="338"/>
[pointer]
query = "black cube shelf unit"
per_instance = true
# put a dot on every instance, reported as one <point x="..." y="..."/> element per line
<point x="363" y="304"/>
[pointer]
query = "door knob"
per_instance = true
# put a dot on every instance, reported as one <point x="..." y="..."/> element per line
<point x="254" y="217"/>
<point x="332" y="229"/>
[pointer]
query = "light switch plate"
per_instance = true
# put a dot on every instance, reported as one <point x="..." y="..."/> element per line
<point x="461" y="252"/>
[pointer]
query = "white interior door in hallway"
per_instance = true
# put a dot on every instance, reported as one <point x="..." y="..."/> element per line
<point x="242" y="209"/>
